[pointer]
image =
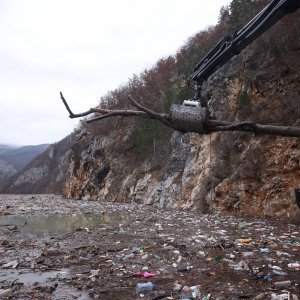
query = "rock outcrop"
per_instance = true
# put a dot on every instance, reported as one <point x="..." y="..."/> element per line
<point x="13" y="159"/>
<point x="6" y="169"/>
<point x="44" y="174"/>
<point x="238" y="172"/>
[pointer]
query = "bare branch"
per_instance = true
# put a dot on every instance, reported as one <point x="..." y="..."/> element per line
<point x="71" y="114"/>
<point x="66" y="105"/>
<point x="120" y="113"/>
<point x="238" y="126"/>
<point x="106" y="113"/>
<point x="214" y="125"/>
<point x="161" y="117"/>
<point x="203" y="125"/>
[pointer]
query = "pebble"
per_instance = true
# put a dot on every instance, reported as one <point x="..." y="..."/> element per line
<point x="177" y="287"/>
<point x="261" y="296"/>
<point x="5" y="292"/>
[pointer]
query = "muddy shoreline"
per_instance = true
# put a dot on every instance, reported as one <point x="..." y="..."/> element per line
<point x="102" y="251"/>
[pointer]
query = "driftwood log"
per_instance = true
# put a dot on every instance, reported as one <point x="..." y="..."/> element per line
<point x="185" y="119"/>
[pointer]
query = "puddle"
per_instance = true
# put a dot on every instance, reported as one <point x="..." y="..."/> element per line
<point x="29" y="277"/>
<point x="62" y="223"/>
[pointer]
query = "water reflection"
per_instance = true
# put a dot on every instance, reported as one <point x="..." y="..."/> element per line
<point x="62" y="223"/>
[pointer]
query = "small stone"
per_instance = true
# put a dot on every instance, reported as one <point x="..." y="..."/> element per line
<point x="5" y="292"/>
<point x="4" y="243"/>
<point x="177" y="287"/>
<point x="94" y="273"/>
<point x="12" y="264"/>
<point x="179" y="259"/>
<point x="184" y="269"/>
<point x="261" y="296"/>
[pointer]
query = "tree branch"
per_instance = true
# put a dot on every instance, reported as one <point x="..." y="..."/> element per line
<point x="162" y="118"/>
<point x="203" y="125"/>
<point x="106" y="113"/>
<point x="214" y="126"/>
<point x="119" y="113"/>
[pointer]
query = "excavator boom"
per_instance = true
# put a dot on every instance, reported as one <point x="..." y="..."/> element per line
<point x="231" y="46"/>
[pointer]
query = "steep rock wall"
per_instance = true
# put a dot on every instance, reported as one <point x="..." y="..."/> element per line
<point x="6" y="169"/>
<point x="44" y="174"/>
<point x="237" y="172"/>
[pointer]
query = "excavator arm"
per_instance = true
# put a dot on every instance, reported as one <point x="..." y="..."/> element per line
<point x="231" y="46"/>
<point x="193" y="115"/>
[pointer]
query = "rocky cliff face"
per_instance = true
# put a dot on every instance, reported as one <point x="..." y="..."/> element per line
<point x="238" y="172"/>
<point x="44" y="174"/>
<point x="13" y="159"/>
<point x="6" y="169"/>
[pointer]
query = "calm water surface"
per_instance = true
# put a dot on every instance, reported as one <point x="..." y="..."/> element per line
<point x="62" y="223"/>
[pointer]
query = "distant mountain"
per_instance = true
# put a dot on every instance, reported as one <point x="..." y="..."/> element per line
<point x="44" y="174"/>
<point x="6" y="148"/>
<point x="20" y="157"/>
<point x="13" y="158"/>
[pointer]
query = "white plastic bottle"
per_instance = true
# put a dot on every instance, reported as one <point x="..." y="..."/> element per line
<point x="144" y="288"/>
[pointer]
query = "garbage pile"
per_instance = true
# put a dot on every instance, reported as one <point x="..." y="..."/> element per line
<point x="155" y="254"/>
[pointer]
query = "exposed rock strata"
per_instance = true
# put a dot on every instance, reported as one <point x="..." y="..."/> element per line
<point x="45" y="174"/>
<point x="237" y="172"/>
<point x="6" y="169"/>
<point x="14" y="159"/>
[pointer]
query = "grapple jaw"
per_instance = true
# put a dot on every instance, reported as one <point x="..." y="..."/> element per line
<point x="186" y="118"/>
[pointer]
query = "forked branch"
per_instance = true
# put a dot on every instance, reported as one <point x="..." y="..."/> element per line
<point x="184" y="119"/>
<point x="106" y="113"/>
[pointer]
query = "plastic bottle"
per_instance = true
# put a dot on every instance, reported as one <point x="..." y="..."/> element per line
<point x="196" y="292"/>
<point x="280" y="273"/>
<point x="268" y="277"/>
<point x="294" y="265"/>
<point x="282" y="284"/>
<point x="144" y="288"/>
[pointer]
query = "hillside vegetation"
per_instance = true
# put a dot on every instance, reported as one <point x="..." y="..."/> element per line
<point x="164" y="83"/>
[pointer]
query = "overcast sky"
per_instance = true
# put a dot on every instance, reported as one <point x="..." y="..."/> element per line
<point x="83" y="48"/>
